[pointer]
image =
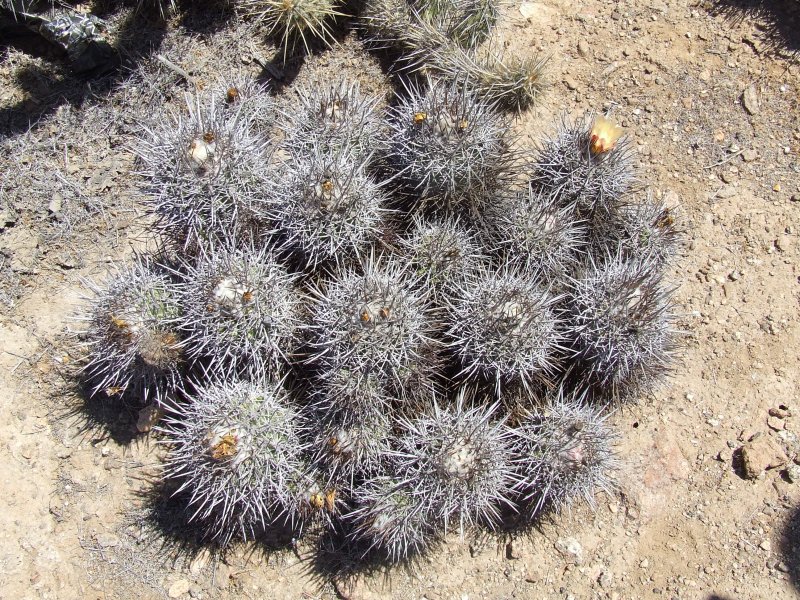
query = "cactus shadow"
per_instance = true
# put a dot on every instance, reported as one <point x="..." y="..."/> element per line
<point x="780" y="19"/>
<point x="789" y="545"/>
<point x="337" y="559"/>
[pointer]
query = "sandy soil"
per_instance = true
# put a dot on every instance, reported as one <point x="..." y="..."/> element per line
<point x="77" y="521"/>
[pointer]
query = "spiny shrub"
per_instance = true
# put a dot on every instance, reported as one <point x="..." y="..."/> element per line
<point x="566" y="452"/>
<point x="441" y="251"/>
<point x="450" y="148"/>
<point x="391" y="519"/>
<point x="335" y="120"/>
<point x="325" y="207"/>
<point x="135" y="348"/>
<point x="236" y="451"/>
<point x="294" y="21"/>
<point x="503" y="327"/>
<point x="378" y="322"/>
<point x="533" y="231"/>
<point x="204" y="173"/>
<point x="458" y="461"/>
<point x="241" y="313"/>
<point x="621" y="329"/>
<point x="588" y="164"/>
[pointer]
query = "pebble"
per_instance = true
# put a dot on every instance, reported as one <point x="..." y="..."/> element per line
<point x="725" y="192"/>
<point x="55" y="204"/>
<point x="779" y="411"/>
<point x="749" y="155"/>
<point x="750" y="100"/>
<point x="793" y="473"/>
<point x="106" y="540"/>
<point x="571" y="84"/>
<point x="179" y="588"/>
<point x="761" y="454"/>
<point x="724" y="455"/>
<point x="570" y="549"/>
<point x="583" y="48"/>
<point x="765" y="545"/>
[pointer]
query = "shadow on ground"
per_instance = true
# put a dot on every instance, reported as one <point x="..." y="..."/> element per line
<point x="778" y="19"/>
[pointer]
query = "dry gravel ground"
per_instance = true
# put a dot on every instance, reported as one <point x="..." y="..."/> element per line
<point x="713" y="107"/>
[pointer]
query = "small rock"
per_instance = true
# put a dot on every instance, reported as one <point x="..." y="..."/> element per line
<point x="705" y="75"/>
<point x="749" y="155"/>
<point x="530" y="9"/>
<point x="179" y="588"/>
<point x="55" y="204"/>
<point x="765" y="545"/>
<point x="571" y="84"/>
<point x="750" y="100"/>
<point x="570" y="549"/>
<point x="725" y="192"/>
<point x="148" y="417"/>
<point x="775" y="423"/>
<point x="644" y="564"/>
<point x="724" y="455"/>
<point x="761" y="454"/>
<point x="783" y="243"/>
<point x="106" y="540"/>
<point x="583" y="48"/>
<point x="200" y="561"/>
<point x="780" y="411"/>
<point x="783" y="567"/>
<point x="793" y="473"/>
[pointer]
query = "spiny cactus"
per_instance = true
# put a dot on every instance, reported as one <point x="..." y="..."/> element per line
<point x="643" y="229"/>
<point x="317" y="499"/>
<point x="441" y="251"/>
<point x="391" y="519"/>
<point x="334" y="120"/>
<point x="325" y="207"/>
<point x="621" y="328"/>
<point x="236" y="450"/>
<point x="134" y="345"/>
<point x="458" y="461"/>
<point x="204" y="173"/>
<point x="450" y="148"/>
<point x="349" y="446"/>
<point x="566" y="452"/>
<point x="503" y="326"/>
<point x="241" y="313"/>
<point x="514" y="84"/>
<point x="589" y="164"/>
<point x="251" y="98"/>
<point x="294" y="21"/>
<point x="464" y="22"/>
<point x="534" y="232"/>
<point x="378" y="322"/>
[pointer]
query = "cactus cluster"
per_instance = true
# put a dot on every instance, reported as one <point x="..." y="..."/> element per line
<point x="381" y="324"/>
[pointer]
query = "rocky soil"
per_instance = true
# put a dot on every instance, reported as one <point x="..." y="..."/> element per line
<point x="709" y="498"/>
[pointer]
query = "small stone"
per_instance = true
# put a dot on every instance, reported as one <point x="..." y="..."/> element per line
<point x="106" y="540"/>
<point x="724" y="455"/>
<point x="148" y="417"/>
<point x="761" y="454"/>
<point x="783" y="243"/>
<point x="55" y="204"/>
<point x="687" y="102"/>
<point x="793" y="473"/>
<point x="780" y="411"/>
<point x="583" y="48"/>
<point x="531" y="9"/>
<point x="750" y="100"/>
<point x="570" y="549"/>
<point x="705" y="75"/>
<point x="644" y="564"/>
<point x="749" y="155"/>
<point x="725" y="192"/>
<point x="765" y="545"/>
<point x="776" y="187"/>
<point x="571" y="84"/>
<point x="775" y="423"/>
<point x="179" y="588"/>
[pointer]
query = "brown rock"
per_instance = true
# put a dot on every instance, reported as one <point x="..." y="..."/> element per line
<point x="775" y="423"/>
<point x="750" y="100"/>
<point x="761" y="454"/>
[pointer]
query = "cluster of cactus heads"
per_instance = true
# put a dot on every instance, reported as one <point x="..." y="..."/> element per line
<point x="382" y="324"/>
